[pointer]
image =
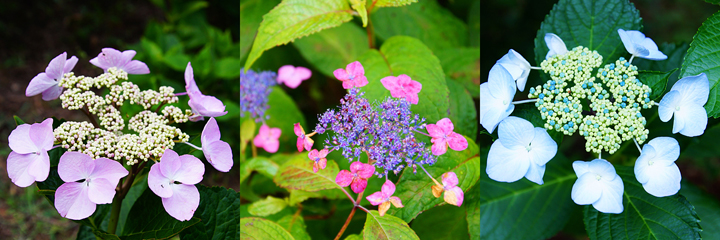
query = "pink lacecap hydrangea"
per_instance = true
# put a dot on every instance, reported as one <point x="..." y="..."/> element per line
<point x="110" y="57"/>
<point x="47" y="82"/>
<point x="402" y="87"/>
<point x="216" y="151"/>
<point x="303" y="141"/>
<point x="267" y="138"/>
<point x="319" y="158"/>
<point x="76" y="199"/>
<point x="384" y="198"/>
<point x="29" y="161"/>
<point x="443" y="136"/>
<point x="352" y="76"/>
<point x="453" y="193"/>
<point x="173" y="179"/>
<point x="201" y="105"/>
<point x="357" y="177"/>
<point x="293" y="76"/>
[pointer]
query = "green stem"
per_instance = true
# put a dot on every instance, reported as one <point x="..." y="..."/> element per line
<point x="115" y="213"/>
<point x="121" y="192"/>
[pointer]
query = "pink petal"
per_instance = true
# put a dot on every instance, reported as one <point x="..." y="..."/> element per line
<point x="388" y="188"/>
<point x="169" y="164"/>
<point x="72" y="201"/>
<point x="449" y="179"/>
<point x="42" y="134"/>
<point x="358" y="185"/>
<point x="183" y="203"/>
<point x="298" y="130"/>
<point x="439" y="146"/>
<point x="315" y="167"/>
<point x="341" y="75"/>
<point x="323" y="153"/>
<point x="136" y="67"/>
<point x="52" y="93"/>
<point x="219" y="154"/>
<point x="413" y="87"/>
<point x="211" y="132"/>
<point x="308" y="143"/>
<point x="159" y="183"/>
<point x="322" y="163"/>
<point x="54" y="70"/>
<point x="390" y="83"/>
<point x="271" y="145"/>
<point x="40" y="167"/>
<point x="356" y="69"/>
<point x="347" y="84"/>
<point x="300" y="142"/>
<point x="108" y="169"/>
<point x="360" y="81"/>
<point x="445" y="125"/>
<point x="208" y="106"/>
<point x="366" y="171"/>
<point x="344" y="178"/>
<point x="39" y="84"/>
<point x="375" y="198"/>
<point x="457" y="142"/>
<point x="458" y="196"/>
<point x="190" y="85"/>
<point x="313" y="154"/>
<point x="70" y="64"/>
<point x="275" y="133"/>
<point x="20" y="142"/>
<point x="259" y="140"/>
<point x="74" y="166"/>
<point x="396" y="201"/>
<point x="355" y="167"/>
<point x="17" y="167"/>
<point x="110" y="58"/>
<point x="434" y="131"/>
<point x="96" y="61"/>
<point x="191" y="171"/>
<point x="101" y="191"/>
<point x="126" y="56"/>
<point x="412" y="98"/>
<point x="302" y="73"/>
<point x="285" y="73"/>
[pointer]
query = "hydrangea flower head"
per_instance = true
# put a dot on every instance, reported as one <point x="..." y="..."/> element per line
<point x="110" y="57"/>
<point x="303" y="141"/>
<point x="640" y="46"/>
<point x="357" y="177"/>
<point x="173" y="179"/>
<point x="453" y="194"/>
<point x="319" y="157"/>
<point x="293" y="76"/>
<point x="598" y="184"/>
<point x="29" y="161"/>
<point x="443" y="136"/>
<point x="496" y="97"/>
<point x="384" y="198"/>
<point x="202" y="105"/>
<point x="402" y="87"/>
<point x="216" y="151"/>
<point x="555" y="45"/>
<point x="88" y="182"/>
<point x="655" y="169"/>
<point x="352" y="76"/>
<point x="47" y="82"/>
<point x="255" y="89"/>
<point x="267" y="138"/>
<point x="521" y="150"/>
<point x="685" y="101"/>
<point x="517" y="66"/>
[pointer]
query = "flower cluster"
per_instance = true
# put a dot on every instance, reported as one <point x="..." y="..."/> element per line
<point x="254" y="91"/>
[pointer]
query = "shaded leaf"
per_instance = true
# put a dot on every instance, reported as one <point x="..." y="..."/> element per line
<point x="283" y="114"/>
<point x="295" y="224"/>
<point x="258" y="228"/>
<point x="148" y="219"/>
<point x="707" y="207"/>
<point x="267" y="206"/>
<point x="472" y="211"/>
<point x="386" y="227"/>
<point x="392" y="3"/>
<point x="219" y="211"/>
<point x="297" y="173"/>
<point x="338" y="47"/>
<point x="448" y="218"/>
<point x="463" y="66"/>
<point x="462" y="111"/>
<point x="702" y="58"/>
<point x="656" y="81"/>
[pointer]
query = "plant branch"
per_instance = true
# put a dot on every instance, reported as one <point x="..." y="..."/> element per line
<point x="356" y="203"/>
<point x="90" y="116"/>
<point x="370" y="32"/>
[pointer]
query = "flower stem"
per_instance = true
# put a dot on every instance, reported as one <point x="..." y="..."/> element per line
<point x="356" y="204"/>
<point x="525" y="101"/>
<point x="254" y="150"/>
<point x="431" y="177"/>
<point x="123" y="188"/>
<point x="535" y="68"/>
<point x="347" y="194"/>
<point x="115" y="213"/>
<point x="637" y="145"/>
<point x="370" y="32"/>
<point x="195" y="147"/>
<point x="422" y="133"/>
<point x="631" y="58"/>
<point x="180" y="94"/>
<point x="92" y="119"/>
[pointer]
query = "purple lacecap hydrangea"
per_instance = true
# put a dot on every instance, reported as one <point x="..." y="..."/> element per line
<point x="385" y="130"/>
<point x="254" y="92"/>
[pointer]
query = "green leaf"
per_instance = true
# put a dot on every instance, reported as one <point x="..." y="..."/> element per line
<point x="644" y="216"/>
<point x="474" y="25"/>
<point x="427" y="21"/>
<point x="524" y="209"/>
<point x="203" y="62"/>
<point x="406" y="55"/>
<point x="702" y="58"/>
<point x="675" y="52"/>
<point x="247" y="130"/>
<point x="359" y="6"/>
<point x="298" y="196"/>
<point x="258" y="228"/>
<point x="339" y="46"/>
<point x="227" y="68"/>
<point x="295" y="224"/>
<point x="86" y="232"/>
<point x="294" y="19"/>
<point x="462" y="110"/>
<point x="713" y="1"/>
<point x="219" y="210"/>
<point x="132" y="196"/>
<point x="448" y="218"/>
<point x="152" y="50"/>
<point x="592" y="24"/>
<point x="55" y="155"/>
<point x="392" y="3"/>
<point x="472" y="211"/>
<point x="656" y="81"/>
<point x="262" y="165"/>
<point x="297" y="173"/>
<point x="18" y="121"/>
<point x="463" y="66"/>
<point x="414" y="189"/>
<point x="386" y="227"/>
<point x="267" y="206"/>
<point x="283" y="114"/>
<point x="707" y="207"/>
<point x="148" y="219"/>
<point x="177" y="60"/>
<point x="354" y="237"/>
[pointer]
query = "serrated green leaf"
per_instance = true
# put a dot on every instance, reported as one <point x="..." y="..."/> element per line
<point x="427" y="21"/>
<point x="592" y="24"/>
<point x="295" y="225"/>
<point x="386" y="227"/>
<point x="227" y="68"/>
<point x="294" y="19"/>
<point x="644" y="216"/>
<point x="414" y="189"/>
<point x="702" y="58"/>
<point x="707" y="208"/>
<point x="262" y="165"/>
<point x="297" y="173"/>
<point x="406" y="55"/>
<point x="148" y="219"/>
<point x="219" y="211"/>
<point x="298" y="196"/>
<point x="251" y="12"/>
<point x="392" y="3"/>
<point x="267" y="206"/>
<point x="449" y="218"/>
<point x="472" y="211"/>
<point x="260" y="229"/>
<point x="525" y="210"/>
<point x="339" y="46"/>
<point x="359" y="7"/>
<point x="656" y="81"/>
<point x="283" y="114"/>
<point x="18" y="121"/>
<point x="462" y="110"/>
<point x="463" y="66"/>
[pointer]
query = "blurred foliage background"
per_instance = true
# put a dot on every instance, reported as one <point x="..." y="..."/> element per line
<point x="513" y="24"/>
<point x="166" y="35"/>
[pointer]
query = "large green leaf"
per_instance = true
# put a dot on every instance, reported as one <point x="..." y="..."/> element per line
<point x="644" y="216"/>
<point x="262" y="165"/>
<point x="333" y="48"/>
<point x="258" y="228"/>
<point x="426" y="20"/>
<point x="448" y="218"/>
<point x="386" y="227"/>
<point x="414" y="189"/>
<point x="656" y="81"/>
<point x="148" y="219"/>
<point x="463" y="66"/>
<point x="295" y="224"/>
<point x="294" y="19"/>
<point x="283" y="114"/>
<point x="472" y="211"/>
<point x="298" y="174"/>
<point x="589" y="23"/>
<point x="219" y="211"/>
<point x="707" y="207"/>
<point x="267" y="206"/>
<point x="702" y="57"/>
<point x="298" y="196"/>
<point x="391" y="3"/>
<point x="524" y="209"/>
<point x="462" y="110"/>
<point x="406" y="55"/>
